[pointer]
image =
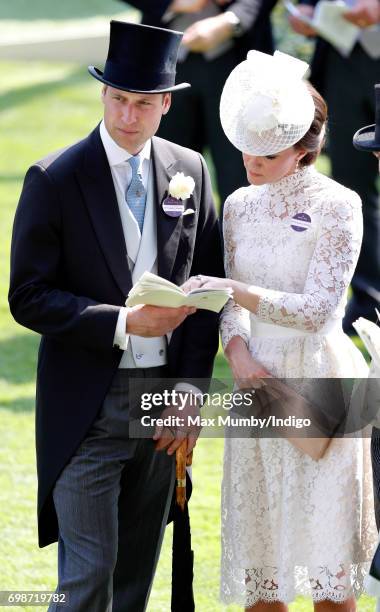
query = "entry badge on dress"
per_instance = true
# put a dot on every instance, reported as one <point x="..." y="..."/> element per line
<point x="301" y="222"/>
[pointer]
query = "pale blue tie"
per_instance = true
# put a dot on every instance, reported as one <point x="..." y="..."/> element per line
<point x="136" y="195"/>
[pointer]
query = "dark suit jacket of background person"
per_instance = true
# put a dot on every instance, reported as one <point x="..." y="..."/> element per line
<point x="347" y="85"/>
<point x="318" y="71"/>
<point x="320" y="57"/>
<point x="69" y="278"/>
<point x="258" y="37"/>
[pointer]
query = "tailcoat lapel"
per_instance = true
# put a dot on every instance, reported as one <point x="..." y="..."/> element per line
<point x="100" y="197"/>
<point x="168" y="228"/>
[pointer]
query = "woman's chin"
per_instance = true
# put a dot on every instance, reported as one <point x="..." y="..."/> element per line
<point x="257" y="179"/>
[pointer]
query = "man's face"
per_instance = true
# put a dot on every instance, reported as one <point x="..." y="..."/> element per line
<point x="132" y="118"/>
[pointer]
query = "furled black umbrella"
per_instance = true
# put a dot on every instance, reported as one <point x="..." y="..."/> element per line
<point x="183" y="556"/>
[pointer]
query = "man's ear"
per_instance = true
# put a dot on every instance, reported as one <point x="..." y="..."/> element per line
<point x="166" y="102"/>
<point x="104" y="89"/>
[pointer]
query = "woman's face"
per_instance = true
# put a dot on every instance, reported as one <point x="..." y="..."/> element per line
<point x="271" y="168"/>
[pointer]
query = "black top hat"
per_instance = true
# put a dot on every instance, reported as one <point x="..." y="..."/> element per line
<point x="368" y="138"/>
<point x="141" y="59"/>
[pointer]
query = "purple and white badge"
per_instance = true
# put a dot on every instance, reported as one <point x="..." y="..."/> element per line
<point x="180" y="188"/>
<point x="173" y="207"/>
<point x="301" y="222"/>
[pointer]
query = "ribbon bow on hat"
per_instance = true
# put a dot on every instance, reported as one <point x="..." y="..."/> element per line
<point x="266" y="106"/>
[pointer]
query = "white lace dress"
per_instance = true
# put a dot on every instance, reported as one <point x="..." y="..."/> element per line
<point x="292" y="525"/>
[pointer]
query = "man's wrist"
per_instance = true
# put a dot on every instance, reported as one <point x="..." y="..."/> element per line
<point x="187" y="388"/>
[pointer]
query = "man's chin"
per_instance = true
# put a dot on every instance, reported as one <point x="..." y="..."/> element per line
<point x="131" y="142"/>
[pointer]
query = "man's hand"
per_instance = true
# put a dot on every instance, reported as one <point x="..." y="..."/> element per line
<point x="187" y="6"/>
<point x="192" y="6"/>
<point x="298" y="25"/>
<point x="206" y="34"/>
<point x="365" y="13"/>
<point x="154" y="321"/>
<point x="171" y="438"/>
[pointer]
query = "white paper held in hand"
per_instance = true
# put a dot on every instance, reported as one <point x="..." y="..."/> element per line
<point x="154" y="290"/>
<point x="329" y="22"/>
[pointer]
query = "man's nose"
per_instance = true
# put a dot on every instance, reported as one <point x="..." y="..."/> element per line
<point x="129" y="113"/>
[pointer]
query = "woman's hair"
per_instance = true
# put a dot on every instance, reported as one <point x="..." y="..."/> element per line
<point x="313" y="140"/>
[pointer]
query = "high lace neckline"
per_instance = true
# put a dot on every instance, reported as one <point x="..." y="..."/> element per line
<point x="296" y="180"/>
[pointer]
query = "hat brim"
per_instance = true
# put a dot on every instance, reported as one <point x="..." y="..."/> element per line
<point x="364" y="139"/>
<point x="265" y="109"/>
<point x="98" y="74"/>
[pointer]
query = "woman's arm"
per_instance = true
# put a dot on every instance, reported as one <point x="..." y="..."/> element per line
<point x="331" y="268"/>
<point x="234" y="321"/>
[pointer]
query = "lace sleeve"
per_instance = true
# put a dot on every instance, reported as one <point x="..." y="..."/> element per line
<point x="330" y="272"/>
<point x="234" y="320"/>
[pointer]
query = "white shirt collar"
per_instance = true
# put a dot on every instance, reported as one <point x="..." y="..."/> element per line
<point x="116" y="154"/>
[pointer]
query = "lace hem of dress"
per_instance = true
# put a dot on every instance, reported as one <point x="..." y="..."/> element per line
<point x="327" y="584"/>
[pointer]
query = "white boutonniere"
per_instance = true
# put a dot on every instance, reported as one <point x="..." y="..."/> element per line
<point x="181" y="187"/>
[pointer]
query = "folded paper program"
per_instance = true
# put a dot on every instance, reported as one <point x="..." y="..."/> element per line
<point x="157" y="291"/>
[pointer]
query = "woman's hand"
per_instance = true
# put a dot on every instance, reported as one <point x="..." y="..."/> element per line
<point x="364" y="13"/>
<point x="300" y="26"/>
<point x="206" y="282"/>
<point x="247" y="372"/>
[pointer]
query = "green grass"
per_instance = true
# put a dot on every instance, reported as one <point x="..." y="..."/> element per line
<point x="20" y="12"/>
<point x="42" y="108"/>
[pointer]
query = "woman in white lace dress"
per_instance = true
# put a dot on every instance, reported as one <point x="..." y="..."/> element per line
<point x="290" y="524"/>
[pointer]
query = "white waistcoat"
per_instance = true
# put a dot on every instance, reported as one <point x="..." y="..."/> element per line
<point x="142" y="250"/>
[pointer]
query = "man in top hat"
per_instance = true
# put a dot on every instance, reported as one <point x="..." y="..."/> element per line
<point x="91" y="219"/>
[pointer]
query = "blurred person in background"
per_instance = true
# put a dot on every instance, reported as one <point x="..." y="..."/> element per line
<point x="367" y="139"/>
<point x="347" y="85"/>
<point x="217" y="36"/>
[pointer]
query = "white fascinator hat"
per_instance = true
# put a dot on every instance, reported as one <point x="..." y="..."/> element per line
<point x="266" y="106"/>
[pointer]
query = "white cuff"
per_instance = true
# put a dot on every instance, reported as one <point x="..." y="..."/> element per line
<point x="121" y="338"/>
<point x="187" y="388"/>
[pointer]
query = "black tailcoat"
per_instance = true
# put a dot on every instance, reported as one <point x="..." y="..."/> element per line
<point x="69" y="278"/>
